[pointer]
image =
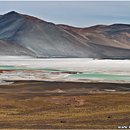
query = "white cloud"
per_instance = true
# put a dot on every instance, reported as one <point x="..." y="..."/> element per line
<point x="75" y="13"/>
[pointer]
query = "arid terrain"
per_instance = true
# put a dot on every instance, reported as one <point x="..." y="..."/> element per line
<point x="57" y="76"/>
<point x="39" y="94"/>
<point x="46" y="105"/>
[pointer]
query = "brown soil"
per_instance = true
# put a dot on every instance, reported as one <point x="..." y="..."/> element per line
<point x="40" y="71"/>
<point x="1" y="71"/>
<point x="30" y="71"/>
<point x="95" y="90"/>
<point x="58" y="91"/>
<point x="55" y="73"/>
<point x="73" y="101"/>
<point x="63" y="88"/>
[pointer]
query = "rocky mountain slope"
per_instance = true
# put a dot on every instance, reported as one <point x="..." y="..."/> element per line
<point x="26" y="35"/>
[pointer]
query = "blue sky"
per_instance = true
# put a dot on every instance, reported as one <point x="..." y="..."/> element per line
<point x="74" y="13"/>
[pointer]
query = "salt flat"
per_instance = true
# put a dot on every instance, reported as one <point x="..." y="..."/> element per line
<point x="72" y="64"/>
<point x="91" y="69"/>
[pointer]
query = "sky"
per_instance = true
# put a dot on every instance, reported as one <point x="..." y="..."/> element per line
<point x="73" y="13"/>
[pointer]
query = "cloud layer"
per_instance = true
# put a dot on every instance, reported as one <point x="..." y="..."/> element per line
<point x="75" y="13"/>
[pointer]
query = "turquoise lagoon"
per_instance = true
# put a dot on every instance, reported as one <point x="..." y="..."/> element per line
<point x="75" y="76"/>
<point x="22" y="68"/>
<point x="100" y="76"/>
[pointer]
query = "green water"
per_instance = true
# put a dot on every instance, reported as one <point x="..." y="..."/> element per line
<point x="21" y="68"/>
<point x="6" y="66"/>
<point x="101" y="76"/>
<point x="77" y="76"/>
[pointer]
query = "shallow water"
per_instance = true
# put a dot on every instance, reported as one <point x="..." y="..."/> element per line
<point x="22" y="68"/>
<point x="5" y="66"/>
<point x="100" y="76"/>
<point x="85" y="75"/>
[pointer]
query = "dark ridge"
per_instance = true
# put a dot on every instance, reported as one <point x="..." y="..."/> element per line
<point x="11" y="13"/>
<point x="125" y="25"/>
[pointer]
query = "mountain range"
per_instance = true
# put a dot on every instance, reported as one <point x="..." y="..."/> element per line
<point x="24" y="35"/>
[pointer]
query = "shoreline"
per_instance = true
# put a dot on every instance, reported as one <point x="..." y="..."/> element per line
<point x="67" y="81"/>
<point x="63" y="88"/>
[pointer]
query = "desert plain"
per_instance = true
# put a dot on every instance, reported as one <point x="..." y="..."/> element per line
<point x="64" y="93"/>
